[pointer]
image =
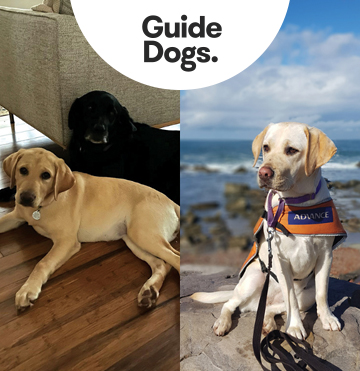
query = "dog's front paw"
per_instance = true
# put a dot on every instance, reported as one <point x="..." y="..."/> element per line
<point x="221" y="326"/>
<point x="297" y="332"/>
<point x="330" y="322"/>
<point x="147" y="297"/>
<point x="26" y="295"/>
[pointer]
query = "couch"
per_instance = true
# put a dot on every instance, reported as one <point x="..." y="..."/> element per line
<point x="45" y="63"/>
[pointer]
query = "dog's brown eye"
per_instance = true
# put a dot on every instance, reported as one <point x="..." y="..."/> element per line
<point x="266" y="148"/>
<point x="291" y="151"/>
<point x="24" y="171"/>
<point x="45" y="175"/>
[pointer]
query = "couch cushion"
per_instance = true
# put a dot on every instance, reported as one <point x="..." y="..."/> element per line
<point x="54" y="6"/>
<point x="65" y="7"/>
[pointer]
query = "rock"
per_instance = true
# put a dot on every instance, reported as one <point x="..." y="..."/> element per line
<point x="235" y="189"/>
<point x="189" y="218"/>
<point x="193" y="233"/>
<point x="205" y="255"/>
<point x="184" y="167"/>
<point x="346" y="263"/>
<point x="353" y="224"/>
<point x="205" y="206"/>
<point x="240" y="242"/>
<point x="238" y="205"/>
<point x="345" y="185"/>
<point x="201" y="350"/>
<point x="240" y="170"/>
<point x="353" y="183"/>
<point x="257" y="194"/>
<point x="358" y="164"/>
<point x="219" y="229"/>
<point x="204" y="169"/>
<point x="220" y="235"/>
<point x="213" y="218"/>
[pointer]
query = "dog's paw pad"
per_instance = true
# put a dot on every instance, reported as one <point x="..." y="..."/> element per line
<point x="221" y="326"/>
<point x="147" y="297"/>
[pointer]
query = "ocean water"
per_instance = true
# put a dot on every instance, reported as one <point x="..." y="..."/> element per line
<point x="227" y="156"/>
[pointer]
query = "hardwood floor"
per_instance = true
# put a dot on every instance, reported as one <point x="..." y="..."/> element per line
<point x="86" y="317"/>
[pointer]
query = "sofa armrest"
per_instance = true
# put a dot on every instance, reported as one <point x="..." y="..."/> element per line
<point x="29" y="68"/>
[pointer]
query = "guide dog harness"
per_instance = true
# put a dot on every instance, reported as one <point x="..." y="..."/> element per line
<point x="316" y="220"/>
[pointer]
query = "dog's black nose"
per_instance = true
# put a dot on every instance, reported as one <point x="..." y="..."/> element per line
<point x="99" y="128"/>
<point x="27" y="198"/>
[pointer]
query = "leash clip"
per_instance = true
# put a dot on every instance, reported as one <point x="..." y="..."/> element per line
<point x="271" y="234"/>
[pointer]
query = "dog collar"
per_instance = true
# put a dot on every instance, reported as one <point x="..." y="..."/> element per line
<point x="273" y="219"/>
<point x="48" y="200"/>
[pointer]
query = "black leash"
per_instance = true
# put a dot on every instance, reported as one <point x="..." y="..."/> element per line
<point x="270" y="347"/>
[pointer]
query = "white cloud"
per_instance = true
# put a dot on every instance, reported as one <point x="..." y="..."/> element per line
<point x="306" y="76"/>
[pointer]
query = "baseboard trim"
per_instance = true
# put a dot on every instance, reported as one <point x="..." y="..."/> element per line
<point x="164" y="124"/>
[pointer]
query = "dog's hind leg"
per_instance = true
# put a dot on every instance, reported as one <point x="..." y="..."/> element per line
<point x="271" y="311"/>
<point x="246" y="296"/>
<point x="150" y="291"/>
<point x="151" y="228"/>
<point x="156" y="245"/>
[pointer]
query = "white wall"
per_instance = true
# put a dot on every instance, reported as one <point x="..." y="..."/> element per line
<point x="24" y="4"/>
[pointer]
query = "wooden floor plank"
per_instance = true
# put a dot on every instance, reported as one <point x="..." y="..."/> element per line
<point x="154" y="352"/>
<point x="85" y="332"/>
<point x="133" y="335"/>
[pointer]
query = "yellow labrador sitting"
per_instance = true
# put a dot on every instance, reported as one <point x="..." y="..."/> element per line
<point x="70" y="208"/>
<point x="292" y="156"/>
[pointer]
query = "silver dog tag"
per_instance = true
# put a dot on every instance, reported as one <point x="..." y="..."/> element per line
<point x="36" y="215"/>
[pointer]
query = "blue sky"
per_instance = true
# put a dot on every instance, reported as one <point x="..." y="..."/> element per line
<point x="310" y="73"/>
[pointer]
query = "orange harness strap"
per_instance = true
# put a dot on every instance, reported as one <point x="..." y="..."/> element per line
<point x="317" y="220"/>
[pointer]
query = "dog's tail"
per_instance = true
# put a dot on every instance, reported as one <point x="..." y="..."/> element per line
<point x="212" y="297"/>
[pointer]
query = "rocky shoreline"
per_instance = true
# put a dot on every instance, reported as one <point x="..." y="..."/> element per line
<point x="207" y="236"/>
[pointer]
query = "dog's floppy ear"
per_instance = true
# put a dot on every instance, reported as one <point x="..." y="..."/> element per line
<point x="9" y="165"/>
<point x="125" y="119"/>
<point x="74" y="114"/>
<point x="64" y="178"/>
<point x="319" y="149"/>
<point x="257" y="144"/>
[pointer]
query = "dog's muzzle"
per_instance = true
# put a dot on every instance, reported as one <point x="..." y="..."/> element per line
<point x="27" y="198"/>
<point x="266" y="174"/>
<point x="97" y="135"/>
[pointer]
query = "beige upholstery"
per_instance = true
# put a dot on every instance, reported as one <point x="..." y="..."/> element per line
<point x="45" y="63"/>
<point x="23" y="4"/>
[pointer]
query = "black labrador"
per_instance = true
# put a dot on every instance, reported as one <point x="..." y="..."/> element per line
<point x="107" y="142"/>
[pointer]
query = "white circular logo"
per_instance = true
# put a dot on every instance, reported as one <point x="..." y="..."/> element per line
<point x="184" y="45"/>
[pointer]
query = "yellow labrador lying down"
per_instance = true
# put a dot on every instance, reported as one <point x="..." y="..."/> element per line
<point x="292" y="156"/>
<point x="70" y="208"/>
